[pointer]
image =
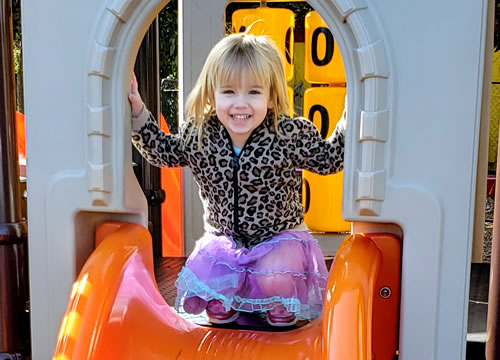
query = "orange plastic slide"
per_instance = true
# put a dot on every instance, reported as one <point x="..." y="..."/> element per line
<point x="116" y="310"/>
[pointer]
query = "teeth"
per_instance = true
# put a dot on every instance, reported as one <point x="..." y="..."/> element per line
<point x="241" y="117"/>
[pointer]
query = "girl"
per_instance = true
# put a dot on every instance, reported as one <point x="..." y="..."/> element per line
<point x="243" y="149"/>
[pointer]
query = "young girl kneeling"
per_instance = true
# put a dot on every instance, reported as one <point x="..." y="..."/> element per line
<point x="243" y="149"/>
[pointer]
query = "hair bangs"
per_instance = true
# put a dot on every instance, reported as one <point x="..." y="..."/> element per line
<point x="238" y="63"/>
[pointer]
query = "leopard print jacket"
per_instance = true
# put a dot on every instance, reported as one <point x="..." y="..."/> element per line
<point x="256" y="195"/>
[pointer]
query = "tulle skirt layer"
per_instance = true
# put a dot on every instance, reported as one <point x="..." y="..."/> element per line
<point x="288" y="269"/>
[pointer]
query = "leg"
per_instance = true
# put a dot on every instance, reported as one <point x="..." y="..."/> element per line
<point x="194" y="305"/>
<point x="286" y="263"/>
<point x="209" y="274"/>
<point x="288" y="275"/>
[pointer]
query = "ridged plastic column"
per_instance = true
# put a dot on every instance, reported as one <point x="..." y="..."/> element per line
<point x="368" y="104"/>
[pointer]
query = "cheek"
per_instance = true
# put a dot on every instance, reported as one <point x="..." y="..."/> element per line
<point x="219" y="106"/>
<point x="221" y="103"/>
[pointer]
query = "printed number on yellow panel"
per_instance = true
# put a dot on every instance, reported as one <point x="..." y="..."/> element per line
<point x="323" y="62"/>
<point x="324" y="107"/>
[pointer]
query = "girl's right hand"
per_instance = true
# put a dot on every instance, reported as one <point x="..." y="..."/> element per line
<point x="136" y="103"/>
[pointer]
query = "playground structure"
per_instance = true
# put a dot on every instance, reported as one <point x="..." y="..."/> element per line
<point x="413" y="151"/>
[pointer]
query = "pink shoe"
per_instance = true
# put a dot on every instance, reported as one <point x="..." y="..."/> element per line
<point x="279" y="316"/>
<point x="217" y="314"/>
<point x="194" y="305"/>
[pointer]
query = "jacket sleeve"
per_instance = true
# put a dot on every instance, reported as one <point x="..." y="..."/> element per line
<point x="156" y="146"/>
<point x="311" y="152"/>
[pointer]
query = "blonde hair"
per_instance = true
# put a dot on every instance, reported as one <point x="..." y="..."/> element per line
<point x="232" y="56"/>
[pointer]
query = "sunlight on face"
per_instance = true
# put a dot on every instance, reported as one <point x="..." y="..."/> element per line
<point x="241" y="104"/>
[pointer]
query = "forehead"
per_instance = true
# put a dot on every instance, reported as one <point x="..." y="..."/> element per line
<point x="244" y="77"/>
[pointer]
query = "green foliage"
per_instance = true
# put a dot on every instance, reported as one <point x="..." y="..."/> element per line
<point x="17" y="34"/>
<point x="18" y="53"/>
<point x="167" y="23"/>
<point x="168" y="40"/>
<point x="17" y="59"/>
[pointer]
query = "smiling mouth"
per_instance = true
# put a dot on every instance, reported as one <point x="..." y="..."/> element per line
<point x="241" y="117"/>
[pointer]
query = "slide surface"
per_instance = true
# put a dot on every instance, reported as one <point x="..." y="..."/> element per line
<point x="116" y="311"/>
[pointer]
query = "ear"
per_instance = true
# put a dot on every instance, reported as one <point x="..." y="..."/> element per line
<point x="270" y="104"/>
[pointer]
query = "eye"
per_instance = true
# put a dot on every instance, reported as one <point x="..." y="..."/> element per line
<point x="227" y="91"/>
<point x="255" y="92"/>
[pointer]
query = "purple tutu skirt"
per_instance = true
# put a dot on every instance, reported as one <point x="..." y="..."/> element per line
<point x="288" y="269"/>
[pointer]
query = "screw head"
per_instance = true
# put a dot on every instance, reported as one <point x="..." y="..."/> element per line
<point x="385" y="292"/>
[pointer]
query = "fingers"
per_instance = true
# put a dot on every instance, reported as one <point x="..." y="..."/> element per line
<point x="134" y="85"/>
<point x="134" y="97"/>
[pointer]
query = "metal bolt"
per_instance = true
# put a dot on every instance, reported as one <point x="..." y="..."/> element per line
<point x="385" y="292"/>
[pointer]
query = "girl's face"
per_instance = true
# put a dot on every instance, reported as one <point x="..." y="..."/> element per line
<point x="241" y="105"/>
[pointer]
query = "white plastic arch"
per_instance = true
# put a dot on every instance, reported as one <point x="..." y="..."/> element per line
<point x="402" y="108"/>
<point x="368" y="64"/>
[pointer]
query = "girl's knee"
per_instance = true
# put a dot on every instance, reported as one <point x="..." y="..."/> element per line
<point x="277" y="285"/>
<point x="289" y="257"/>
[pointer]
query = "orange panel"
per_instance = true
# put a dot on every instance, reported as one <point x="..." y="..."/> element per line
<point x="172" y="210"/>
<point x="21" y="135"/>
<point x="361" y="309"/>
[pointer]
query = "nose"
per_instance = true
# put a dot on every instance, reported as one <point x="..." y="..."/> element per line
<point x="241" y="101"/>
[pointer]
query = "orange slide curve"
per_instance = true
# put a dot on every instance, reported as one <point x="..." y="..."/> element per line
<point x="117" y="312"/>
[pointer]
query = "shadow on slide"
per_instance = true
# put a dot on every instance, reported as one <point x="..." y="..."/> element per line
<point x="117" y="312"/>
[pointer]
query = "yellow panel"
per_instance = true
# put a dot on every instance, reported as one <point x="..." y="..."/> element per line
<point x="494" y="112"/>
<point x="323" y="62"/>
<point x="290" y="98"/>
<point x="323" y="194"/>
<point x="278" y="24"/>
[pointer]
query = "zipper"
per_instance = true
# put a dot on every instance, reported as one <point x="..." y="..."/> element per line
<point x="235" y="166"/>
